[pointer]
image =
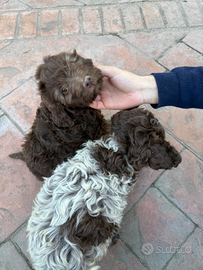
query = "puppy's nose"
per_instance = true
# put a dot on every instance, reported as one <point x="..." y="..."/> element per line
<point x="87" y="82"/>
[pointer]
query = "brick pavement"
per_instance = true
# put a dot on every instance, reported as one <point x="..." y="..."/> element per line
<point x="165" y="207"/>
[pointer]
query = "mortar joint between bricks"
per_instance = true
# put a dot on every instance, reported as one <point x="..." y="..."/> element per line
<point x="163" y="16"/>
<point x="142" y="16"/>
<point x="38" y="23"/>
<point x="183" y="13"/>
<point x="16" y="33"/>
<point x="122" y="20"/>
<point x="80" y="19"/>
<point x="191" y="47"/>
<point x="59" y="23"/>
<point x="101" y="19"/>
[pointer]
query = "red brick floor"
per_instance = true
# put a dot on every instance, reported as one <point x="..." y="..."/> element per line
<point x="163" y="223"/>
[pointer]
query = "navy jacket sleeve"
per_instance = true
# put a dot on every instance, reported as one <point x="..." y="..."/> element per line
<point x="182" y="87"/>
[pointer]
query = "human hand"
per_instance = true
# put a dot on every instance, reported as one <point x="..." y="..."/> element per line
<point x="123" y="89"/>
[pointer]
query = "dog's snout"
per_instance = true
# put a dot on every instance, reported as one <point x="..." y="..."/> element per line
<point x="87" y="82"/>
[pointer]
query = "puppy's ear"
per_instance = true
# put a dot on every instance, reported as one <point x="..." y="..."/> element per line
<point x="164" y="156"/>
<point x="38" y="73"/>
<point x="138" y="150"/>
<point x="157" y="127"/>
<point x="74" y="52"/>
<point x="42" y="73"/>
<point x="88" y="63"/>
<point x="74" y="56"/>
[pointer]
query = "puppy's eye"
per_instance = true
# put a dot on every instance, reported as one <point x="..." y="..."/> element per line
<point x="64" y="90"/>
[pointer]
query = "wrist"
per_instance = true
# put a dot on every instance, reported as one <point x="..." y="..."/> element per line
<point x="150" y="90"/>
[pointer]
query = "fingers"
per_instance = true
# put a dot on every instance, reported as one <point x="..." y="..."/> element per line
<point x="97" y="105"/>
<point x="109" y="71"/>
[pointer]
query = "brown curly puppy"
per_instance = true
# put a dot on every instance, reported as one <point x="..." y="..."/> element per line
<point x="68" y="83"/>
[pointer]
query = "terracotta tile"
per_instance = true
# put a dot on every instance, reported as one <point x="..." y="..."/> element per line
<point x="13" y="140"/>
<point x="113" y="51"/>
<point x="132" y="17"/>
<point x="184" y="186"/>
<point x="91" y="20"/>
<point x="49" y="23"/>
<point x="120" y="258"/>
<point x="13" y="5"/>
<point x="152" y="15"/>
<point x="18" y="186"/>
<point x="28" y="25"/>
<point x="146" y="177"/>
<point x="7" y="25"/>
<point x="189" y="256"/>
<point x="70" y="21"/>
<point x="181" y="55"/>
<point x="195" y="40"/>
<point x="185" y="124"/>
<point x="22" y="104"/>
<point x="156" y="223"/>
<point x="11" y="259"/>
<point x="22" y="241"/>
<point x="193" y="12"/>
<point x="173" y="14"/>
<point x="112" y="20"/>
<point x="51" y="3"/>
<point x="154" y="43"/>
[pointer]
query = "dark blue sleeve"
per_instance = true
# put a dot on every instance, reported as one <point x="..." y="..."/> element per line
<point x="182" y="87"/>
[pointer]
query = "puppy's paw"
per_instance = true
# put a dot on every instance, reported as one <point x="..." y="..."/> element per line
<point x="114" y="239"/>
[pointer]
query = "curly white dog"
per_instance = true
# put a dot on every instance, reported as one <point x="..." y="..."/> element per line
<point x="81" y="205"/>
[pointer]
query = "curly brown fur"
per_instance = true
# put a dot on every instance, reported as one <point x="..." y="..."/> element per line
<point x="68" y="83"/>
<point x="91" y="231"/>
<point x="143" y="139"/>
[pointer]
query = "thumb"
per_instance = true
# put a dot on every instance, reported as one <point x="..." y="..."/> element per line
<point x="97" y="105"/>
<point x="108" y="71"/>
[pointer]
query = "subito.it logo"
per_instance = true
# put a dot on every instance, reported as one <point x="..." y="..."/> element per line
<point x="147" y="249"/>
